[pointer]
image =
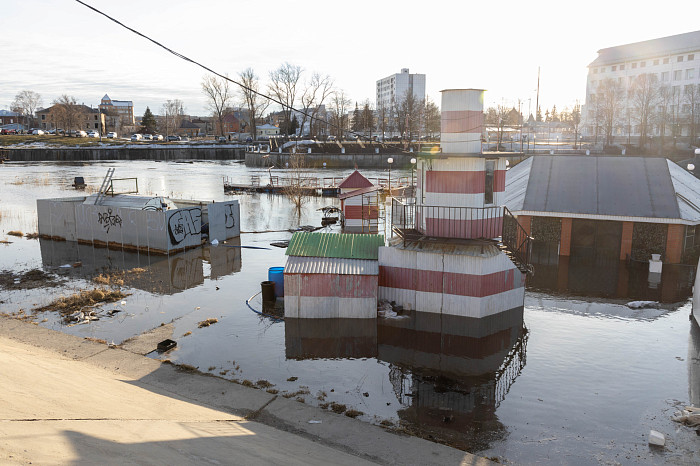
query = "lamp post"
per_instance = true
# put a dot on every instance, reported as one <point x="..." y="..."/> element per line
<point x="413" y="167"/>
<point x="390" y="161"/>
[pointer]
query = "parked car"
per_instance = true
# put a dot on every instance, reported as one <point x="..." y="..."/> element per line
<point x="157" y="137"/>
<point x="136" y="137"/>
<point x="80" y="134"/>
<point x="93" y="134"/>
<point x="147" y="137"/>
<point x="8" y="131"/>
<point x="112" y="135"/>
<point x="173" y="137"/>
<point x="184" y="138"/>
<point x="37" y="132"/>
<point x="222" y="139"/>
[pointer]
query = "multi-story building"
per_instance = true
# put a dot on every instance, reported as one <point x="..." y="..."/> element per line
<point x="672" y="65"/>
<point x="124" y="109"/>
<point x="69" y="117"/>
<point x="393" y="89"/>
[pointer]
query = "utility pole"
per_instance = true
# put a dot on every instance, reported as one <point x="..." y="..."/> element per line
<point x="521" y="127"/>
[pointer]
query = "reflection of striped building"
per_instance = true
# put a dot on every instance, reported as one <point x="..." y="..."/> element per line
<point x="359" y="203"/>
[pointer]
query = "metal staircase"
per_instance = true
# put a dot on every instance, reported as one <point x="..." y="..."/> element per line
<point x="103" y="188"/>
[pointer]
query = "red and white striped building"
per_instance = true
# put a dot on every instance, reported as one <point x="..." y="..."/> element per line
<point x="360" y="204"/>
<point x="460" y="193"/>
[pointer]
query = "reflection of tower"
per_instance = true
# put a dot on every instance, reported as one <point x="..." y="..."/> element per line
<point x="330" y="338"/>
<point x="449" y="255"/>
<point x="453" y="372"/>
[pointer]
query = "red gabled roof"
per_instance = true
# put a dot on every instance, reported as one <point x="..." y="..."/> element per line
<point x="358" y="192"/>
<point x="355" y="180"/>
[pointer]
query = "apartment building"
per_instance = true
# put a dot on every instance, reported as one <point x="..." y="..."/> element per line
<point x="672" y="63"/>
<point x="393" y="89"/>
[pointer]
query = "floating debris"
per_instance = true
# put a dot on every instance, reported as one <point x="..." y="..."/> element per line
<point x="207" y="322"/>
<point x="690" y="416"/>
<point x="642" y="304"/>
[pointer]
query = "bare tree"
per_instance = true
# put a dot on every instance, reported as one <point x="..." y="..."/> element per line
<point x="66" y="113"/>
<point x="644" y="96"/>
<point x="692" y="98"/>
<point x="575" y="118"/>
<point x="173" y="113"/>
<point x="383" y="117"/>
<point x="432" y="118"/>
<point x="368" y="118"/>
<point x="219" y="97"/>
<point x="316" y="91"/>
<point x="662" y="115"/>
<point x="339" y="113"/>
<point x="610" y="100"/>
<point x="26" y="103"/>
<point x="252" y="100"/>
<point x="498" y="117"/>
<point x="283" y="85"/>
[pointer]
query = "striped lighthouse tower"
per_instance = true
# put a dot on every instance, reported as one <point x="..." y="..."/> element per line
<point x="449" y="261"/>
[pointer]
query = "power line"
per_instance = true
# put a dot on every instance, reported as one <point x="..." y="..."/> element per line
<point x="194" y="62"/>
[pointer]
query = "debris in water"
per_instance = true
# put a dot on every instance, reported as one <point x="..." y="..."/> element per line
<point x="197" y="308"/>
<point x="15" y="233"/>
<point x="207" y="322"/>
<point x="166" y="345"/>
<point x="313" y="421"/>
<point x="280" y="244"/>
<point x="215" y="242"/>
<point x="656" y="438"/>
<point x="123" y="303"/>
<point x="642" y="304"/>
<point x="690" y="416"/>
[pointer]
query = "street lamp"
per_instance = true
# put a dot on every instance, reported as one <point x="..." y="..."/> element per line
<point x="413" y="166"/>
<point x="390" y="161"/>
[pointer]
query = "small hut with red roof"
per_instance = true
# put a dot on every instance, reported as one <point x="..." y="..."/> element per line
<point x="359" y="201"/>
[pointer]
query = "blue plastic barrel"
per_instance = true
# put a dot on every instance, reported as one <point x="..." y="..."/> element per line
<point x="276" y="274"/>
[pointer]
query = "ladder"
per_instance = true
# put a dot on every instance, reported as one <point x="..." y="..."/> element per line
<point x="103" y="189"/>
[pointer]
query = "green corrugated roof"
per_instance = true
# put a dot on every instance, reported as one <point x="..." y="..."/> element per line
<point x="344" y="246"/>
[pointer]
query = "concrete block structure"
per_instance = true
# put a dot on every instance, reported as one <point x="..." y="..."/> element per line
<point x="153" y="224"/>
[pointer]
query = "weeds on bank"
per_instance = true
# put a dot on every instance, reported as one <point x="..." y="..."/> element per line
<point x="81" y="300"/>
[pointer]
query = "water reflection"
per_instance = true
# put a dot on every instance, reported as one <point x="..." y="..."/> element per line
<point x="694" y="364"/>
<point x="160" y="274"/>
<point x="449" y="373"/>
<point x="599" y="275"/>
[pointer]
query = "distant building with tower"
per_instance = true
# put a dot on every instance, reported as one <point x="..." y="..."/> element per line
<point x="120" y="111"/>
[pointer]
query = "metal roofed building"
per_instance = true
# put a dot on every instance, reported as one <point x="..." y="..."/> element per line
<point x="627" y="207"/>
<point x="330" y="275"/>
<point x="359" y="202"/>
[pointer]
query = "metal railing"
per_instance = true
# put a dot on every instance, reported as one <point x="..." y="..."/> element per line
<point x="416" y="221"/>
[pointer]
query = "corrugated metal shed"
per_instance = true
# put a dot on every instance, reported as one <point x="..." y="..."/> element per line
<point x="333" y="266"/>
<point x="355" y="180"/>
<point x="347" y="246"/>
<point x="599" y="186"/>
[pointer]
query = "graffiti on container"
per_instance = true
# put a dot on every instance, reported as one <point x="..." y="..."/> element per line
<point x="109" y="220"/>
<point x="184" y="223"/>
<point x="230" y="217"/>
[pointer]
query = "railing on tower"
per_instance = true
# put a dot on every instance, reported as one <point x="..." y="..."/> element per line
<point x="416" y="222"/>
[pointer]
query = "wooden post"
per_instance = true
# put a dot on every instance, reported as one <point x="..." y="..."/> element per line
<point x="565" y="239"/>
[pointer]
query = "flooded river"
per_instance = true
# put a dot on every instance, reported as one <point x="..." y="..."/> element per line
<point x="576" y="377"/>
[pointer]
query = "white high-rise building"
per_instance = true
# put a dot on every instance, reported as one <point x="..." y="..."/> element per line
<point x="393" y="89"/>
<point x="672" y="62"/>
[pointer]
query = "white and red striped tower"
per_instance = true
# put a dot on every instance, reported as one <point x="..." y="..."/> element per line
<point x="448" y="260"/>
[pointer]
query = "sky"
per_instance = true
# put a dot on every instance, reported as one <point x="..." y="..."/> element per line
<point x="57" y="47"/>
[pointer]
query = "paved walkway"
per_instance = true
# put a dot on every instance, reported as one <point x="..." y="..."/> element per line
<point x="69" y="400"/>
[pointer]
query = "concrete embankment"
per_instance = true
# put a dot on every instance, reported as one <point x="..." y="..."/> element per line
<point x="124" y="153"/>
<point x="316" y="160"/>
<point x="68" y="400"/>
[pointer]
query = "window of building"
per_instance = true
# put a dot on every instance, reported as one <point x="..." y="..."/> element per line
<point x="622" y="67"/>
<point x="656" y="62"/>
<point x="642" y="64"/>
<point x="686" y="108"/>
<point x="619" y="80"/>
<point x="676" y="90"/>
<point x="488" y="181"/>
<point x="43" y="117"/>
<point x="602" y="69"/>
<point x="664" y="76"/>
<point x="595" y="70"/>
<point x="690" y="73"/>
<point x="634" y="65"/>
<point x="679" y="58"/>
<point x="678" y="75"/>
<point x="614" y="68"/>
<point x="630" y="80"/>
<point x="688" y="89"/>
<point x="691" y="57"/>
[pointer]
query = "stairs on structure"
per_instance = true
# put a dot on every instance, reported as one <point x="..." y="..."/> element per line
<point x="103" y="188"/>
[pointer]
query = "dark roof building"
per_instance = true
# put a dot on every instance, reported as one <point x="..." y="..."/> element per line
<point x="634" y="192"/>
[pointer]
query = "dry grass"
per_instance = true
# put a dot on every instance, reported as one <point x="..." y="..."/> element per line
<point x="272" y="391"/>
<point x="263" y="384"/>
<point x="110" y="279"/>
<point x="32" y="235"/>
<point x="82" y="299"/>
<point x="338" y="408"/>
<point x="207" y="322"/>
<point x="353" y="413"/>
<point x="187" y="334"/>
<point x="96" y="340"/>
<point x="15" y="233"/>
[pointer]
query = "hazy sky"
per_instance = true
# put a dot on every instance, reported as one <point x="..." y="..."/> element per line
<point x="59" y="47"/>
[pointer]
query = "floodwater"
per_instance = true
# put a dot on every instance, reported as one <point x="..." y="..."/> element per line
<point x="574" y="377"/>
